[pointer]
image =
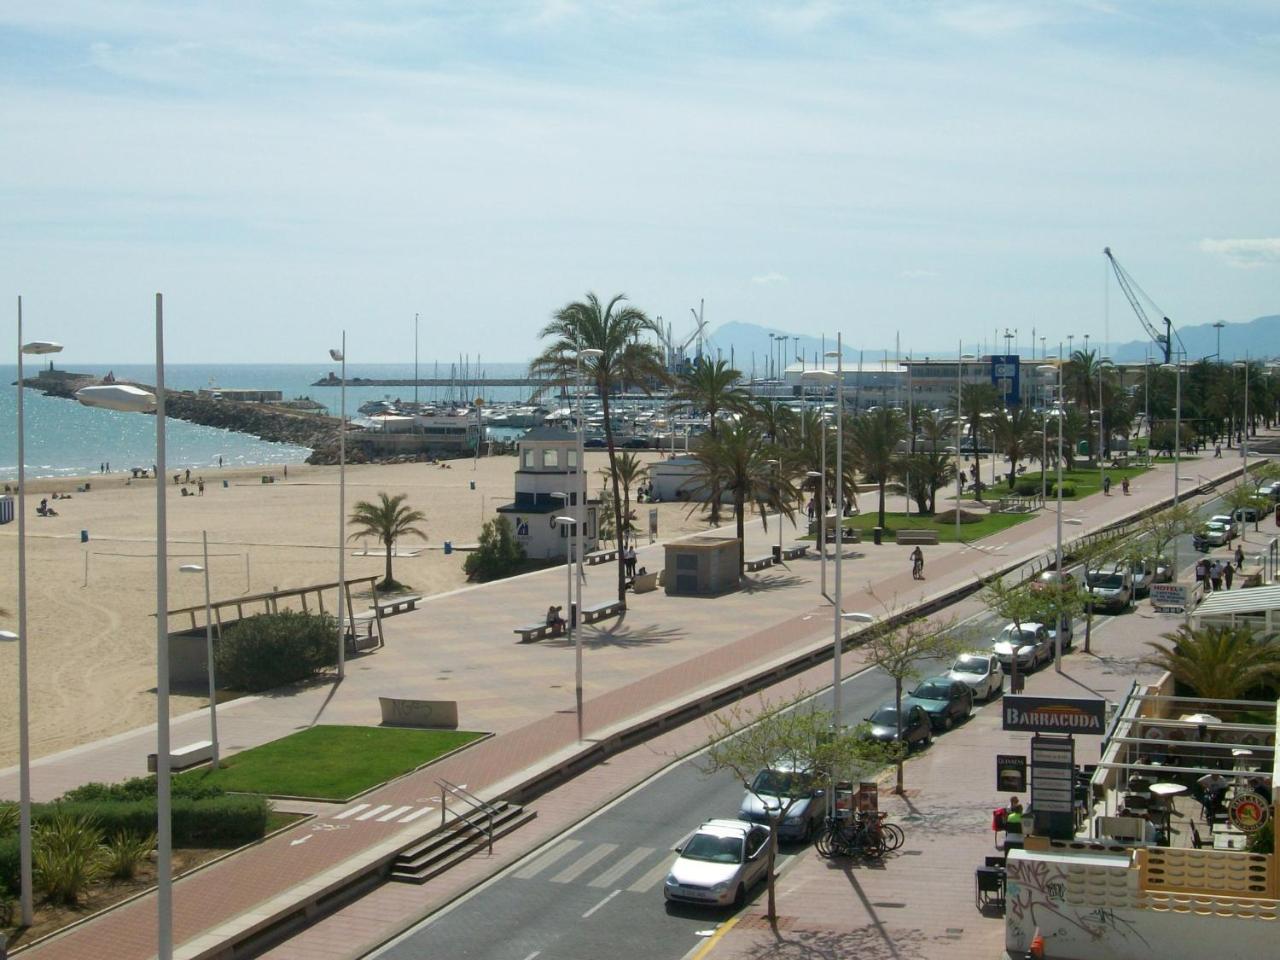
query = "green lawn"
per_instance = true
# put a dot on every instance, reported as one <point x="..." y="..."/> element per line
<point x="1086" y="481"/>
<point x="332" y="762"/>
<point x="989" y="524"/>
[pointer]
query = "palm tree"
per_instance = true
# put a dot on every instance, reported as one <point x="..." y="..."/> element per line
<point x="774" y="419"/>
<point x="630" y="470"/>
<point x="734" y="461"/>
<point x="875" y="437"/>
<point x="977" y="400"/>
<point x="710" y="387"/>
<point x="615" y="330"/>
<point x="923" y="474"/>
<point x="1015" y="432"/>
<point x="1218" y="662"/>
<point x="388" y="520"/>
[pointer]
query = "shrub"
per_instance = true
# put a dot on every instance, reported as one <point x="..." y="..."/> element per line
<point x="9" y="865"/>
<point x="66" y="856"/>
<point x="125" y="852"/>
<point x="8" y="818"/>
<point x="272" y="649"/>
<point x="226" y="821"/>
<point x="1068" y="490"/>
<point x="1027" y="488"/>
<point x="142" y="788"/>
<point x="498" y="555"/>
<point x="6" y="910"/>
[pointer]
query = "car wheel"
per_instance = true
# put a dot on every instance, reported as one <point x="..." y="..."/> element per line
<point x="740" y="897"/>
<point x="947" y="721"/>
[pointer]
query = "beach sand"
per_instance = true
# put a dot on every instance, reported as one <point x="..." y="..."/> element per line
<point x="92" y="647"/>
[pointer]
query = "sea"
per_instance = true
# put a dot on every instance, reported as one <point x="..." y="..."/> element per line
<point x="66" y="439"/>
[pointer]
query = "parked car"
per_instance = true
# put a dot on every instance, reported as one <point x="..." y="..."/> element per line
<point x="1250" y="514"/>
<point x="981" y="671"/>
<point x="786" y="781"/>
<point x="1164" y="569"/>
<point x="1270" y="491"/>
<point x="946" y="701"/>
<point x="1110" y="588"/>
<point x="917" y="731"/>
<point x="1143" y="573"/>
<point x="1212" y="534"/>
<point x="1053" y="580"/>
<point x="636" y="443"/>
<point x="719" y="863"/>
<point x="1032" y="640"/>
<point x="594" y="443"/>
<point x="1233" y="529"/>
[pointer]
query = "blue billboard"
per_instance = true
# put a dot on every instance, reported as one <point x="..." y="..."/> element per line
<point x="1005" y="372"/>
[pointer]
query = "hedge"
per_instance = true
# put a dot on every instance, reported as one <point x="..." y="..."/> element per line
<point x="1027" y="488"/>
<point x="272" y="649"/>
<point x="141" y="788"/>
<point x="9" y="868"/>
<point x="228" y="821"/>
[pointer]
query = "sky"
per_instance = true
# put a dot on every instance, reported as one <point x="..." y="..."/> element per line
<point x="285" y="171"/>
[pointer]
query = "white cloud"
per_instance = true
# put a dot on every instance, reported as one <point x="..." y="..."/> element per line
<point x="769" y="279"/>
<point x="1245" y="254"/>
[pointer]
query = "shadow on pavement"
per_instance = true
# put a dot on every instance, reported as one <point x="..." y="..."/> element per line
<point x="620" y="635"/>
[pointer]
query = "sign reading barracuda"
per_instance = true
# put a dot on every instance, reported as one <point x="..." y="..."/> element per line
<point x="1055" y="715"/>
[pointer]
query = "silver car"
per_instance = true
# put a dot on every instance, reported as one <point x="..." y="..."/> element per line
<point x="790" y="786"/>
<point x="1034" y="645"/>
<point x="981" y="671"/>
<point x="719" y="863"/>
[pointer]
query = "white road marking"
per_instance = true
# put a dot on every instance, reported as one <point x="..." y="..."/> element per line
<point x="418" y="813"/>
<point x="584" y="863"/>
<point x="393" y="814"/>
<point x="374" y="812"/>
<point x="531" y="870"/>
<point x="601" y="904"/>
<point x="346" y="813"/>
<point x="536" y="953"/>
<point x="615" y="873"/>
<point x="294" y="843"/>
<point x="650" y="879"/>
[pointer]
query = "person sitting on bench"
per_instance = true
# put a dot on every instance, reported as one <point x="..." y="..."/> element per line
<point x="554" y="620"/>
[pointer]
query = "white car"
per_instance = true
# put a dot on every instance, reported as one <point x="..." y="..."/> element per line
<point x="980" y="671"/>
<point x="1213" y="533"/>
<point x="719" y="863"/>
<point x="1227" y="521"/>
<point x="1034" y="646"/>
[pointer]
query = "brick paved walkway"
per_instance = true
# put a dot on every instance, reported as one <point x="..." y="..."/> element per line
<point x="634" y="668"/>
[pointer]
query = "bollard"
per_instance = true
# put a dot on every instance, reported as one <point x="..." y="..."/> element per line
<point x="877" y="534"/>
<point x="448" y="547"/>
<point x="84" y="536"/>
<point x="473" y="484"/>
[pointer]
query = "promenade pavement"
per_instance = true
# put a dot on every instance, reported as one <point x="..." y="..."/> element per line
<point x="460" y="646"/>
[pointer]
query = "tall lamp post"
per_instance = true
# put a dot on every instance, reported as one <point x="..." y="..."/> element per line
<point x="778" y="465"/>
<point x="825" y="378"/>
<point x="1050" y="370"/>
<point x="566" y="525"/>
<point x="1103" y="365"/>
<point x="1244" y="442"/>
<point x="961" y="358"/>
<point x="36" y="348"/>
<point x="1177" y="442"/>
<point x="341" y="357"/>
<point x="580" y="512"/>
<point x="134" y="400"/>
<point x="208" y="641"/>
<point x="837" y="646"/>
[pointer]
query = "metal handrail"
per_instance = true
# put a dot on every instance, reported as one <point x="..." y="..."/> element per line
<point x="448" y="789"/>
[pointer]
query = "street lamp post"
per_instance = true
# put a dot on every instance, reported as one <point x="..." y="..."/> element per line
<point x="960" y="362"/>
<point x="341" y="356"/>
<point x="27" y="908"/>
<point x="837" y="642"/>
<point x="778" y="464"/>
<point x="1177" y="442"/>
<point x="1244" y="442"/>
<point x="825" y="378"/>
<point x="131" y="399"/>
<point x="566" y="525"/>
<point x="1049" y="370"/>
<point x="580" y="512"/>
<point x="208" y="641"/>
<point x="1103" y="364"/>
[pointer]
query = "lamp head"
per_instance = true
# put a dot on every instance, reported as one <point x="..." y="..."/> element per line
<point x="336" y="355"/>
<point x="590" y="353"/>
<point x="8" y="636"/>
<point x="565" y="521"/>
<point x="191" y="568"/>
<point x="41" y="346"/>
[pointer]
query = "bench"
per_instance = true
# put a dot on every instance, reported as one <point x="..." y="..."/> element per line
<point x="393" y="605"/>
<point x="851" y="535"/>
<point x="925" y="537"/>
<point x="612" y="608"/>
<point x="356" y="642"/>
<point x="760" y="562"/>
<point x="796" y="551"/>
<point x="601" y="556"/>
<point x="538" y="631"/>
<point x="645" y="582"/>
<point x="191" y="755"/>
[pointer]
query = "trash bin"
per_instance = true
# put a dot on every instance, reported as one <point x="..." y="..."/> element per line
<point x="877" y="533"/>
<point x="573" y="615"/>
<point x="448" y="547"/>
<point x="224" y="484"/>
<point x="473" y="484"/>
<point x="777" y="553"/>
<point x="84" y="536"/>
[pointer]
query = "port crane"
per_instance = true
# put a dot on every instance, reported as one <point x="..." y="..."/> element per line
<point x="1132" y="293"/>
<point x="676" y="359"/>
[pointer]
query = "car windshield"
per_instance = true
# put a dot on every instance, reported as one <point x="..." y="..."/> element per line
<point x="780" y="783"/>
<point x="932" y="691"/>
<point x="972" y="665"/>
<point x="1022" y="636"/>
<point x="713" y="849"/>
<point x="1111" y="580"/>
<point x="885" y="717"/>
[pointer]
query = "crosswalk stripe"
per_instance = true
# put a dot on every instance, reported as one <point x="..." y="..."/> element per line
<point x="584" y="863"/>
<point x="531" y="870"/>
<point x="614" y="873"/>
<point x="374" y="812"/>
<point x="418" y="813"/>
<point x="353" y="810"/>
<point x="393" y="814"/>
<point x="652" y="878"/>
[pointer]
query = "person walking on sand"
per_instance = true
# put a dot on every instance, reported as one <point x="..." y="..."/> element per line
<point x="200" y="487"/>
<point x="917" y="564"/>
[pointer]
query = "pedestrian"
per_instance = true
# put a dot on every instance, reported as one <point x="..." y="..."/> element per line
<point x="187" y="478"/>
<point x="219" y="462"/>
<point x="1239" y="556"/>
<point x="1217" y="451"/>
<point x="811" y="508"/>
<point x="200" y="487"/>
<point x="1124" y="485"/>
<point x="629" y="558"/>
<point x="1228" y="574"/>
<point x="917" y="564"/>
<point x="1215" y="574"/>
<point x="1106" y="486"/>
<point x="286" y="471"/>
<point x="964" y="478"/>
<point x="1202" y="573"/>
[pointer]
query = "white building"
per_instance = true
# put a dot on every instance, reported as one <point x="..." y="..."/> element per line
<point x="549" y="465"/>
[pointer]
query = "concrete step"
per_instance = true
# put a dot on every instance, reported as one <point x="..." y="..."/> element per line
<point x="443" y="850"/>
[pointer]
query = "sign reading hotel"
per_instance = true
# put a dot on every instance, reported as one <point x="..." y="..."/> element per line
<point x="1054" y="715"/>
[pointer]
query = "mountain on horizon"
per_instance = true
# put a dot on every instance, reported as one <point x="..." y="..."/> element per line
<point x="738" y="342"/>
